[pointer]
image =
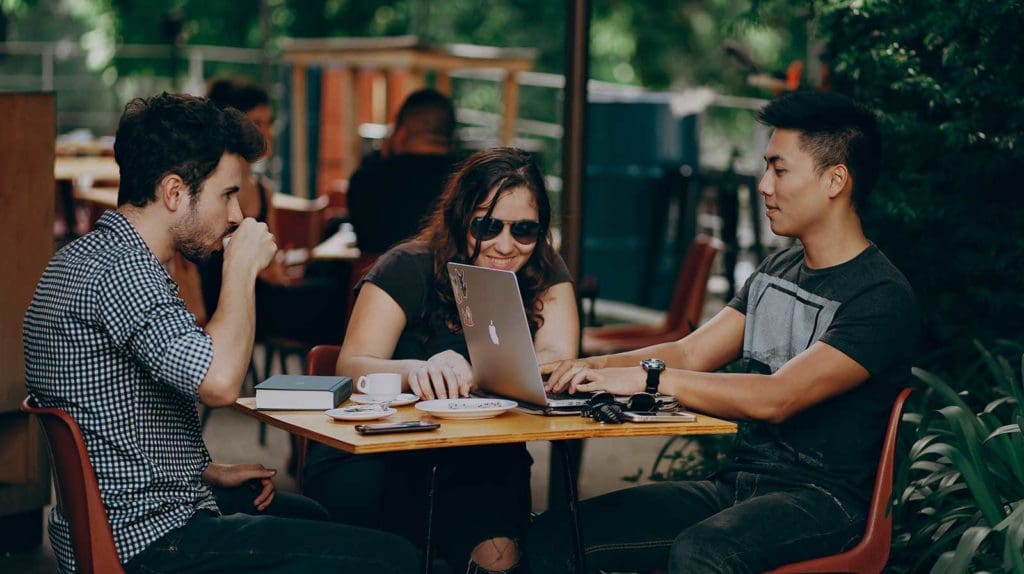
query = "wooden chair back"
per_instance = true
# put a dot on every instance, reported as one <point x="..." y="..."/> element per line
<point x="78" y="492"/>
<point x="692" y="285"/>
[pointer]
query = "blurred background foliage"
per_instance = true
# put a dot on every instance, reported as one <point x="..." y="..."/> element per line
<point x="947" y="80"/>
<point x="655" y="43"/>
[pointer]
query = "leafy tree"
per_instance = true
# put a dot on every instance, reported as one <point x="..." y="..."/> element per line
<point x="947" y="80"/>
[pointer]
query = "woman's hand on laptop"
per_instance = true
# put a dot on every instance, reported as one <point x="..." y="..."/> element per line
<point x="446" y="375"/>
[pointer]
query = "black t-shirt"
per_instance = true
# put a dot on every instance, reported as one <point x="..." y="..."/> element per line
<point x="865" y="308"/>
<point x="389" y="199"/>
<point x="406" y="273"/>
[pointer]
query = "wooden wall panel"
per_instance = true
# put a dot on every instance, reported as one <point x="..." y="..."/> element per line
<point x="26" y="223"/>
<point x="27" y="135"/>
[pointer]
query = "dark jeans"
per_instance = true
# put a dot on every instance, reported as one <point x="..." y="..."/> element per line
<point x="291" y="535"/>
<point x="482" y="492"/>
<point x="738" y="522"/>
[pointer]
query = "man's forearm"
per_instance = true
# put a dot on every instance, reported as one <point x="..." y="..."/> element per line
<point x="736" y="396"/>
<point x="672" y="353"/>
<point x="232" y="329"/>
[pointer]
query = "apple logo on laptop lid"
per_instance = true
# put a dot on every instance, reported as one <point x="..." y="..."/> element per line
<point x="493" y="331"/>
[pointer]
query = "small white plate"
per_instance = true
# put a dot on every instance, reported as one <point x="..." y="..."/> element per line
<point x="359" y="413"/>
<point x="466" y="408"/>
<point x="400" y="401"/>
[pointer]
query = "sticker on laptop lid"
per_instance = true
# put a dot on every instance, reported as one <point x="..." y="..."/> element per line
<point x="459" y="287"/>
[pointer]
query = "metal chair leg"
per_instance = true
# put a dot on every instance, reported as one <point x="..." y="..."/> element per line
<point x="572" y="497"/>
<point x="427" y="550"/>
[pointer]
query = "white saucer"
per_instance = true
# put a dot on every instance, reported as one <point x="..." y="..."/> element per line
<point x="466" y="408"/>
<point x="400" y="401"/>
<point x="359" y="413"/>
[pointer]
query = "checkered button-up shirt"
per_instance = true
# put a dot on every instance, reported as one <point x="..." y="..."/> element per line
<point x="108" y="340"/>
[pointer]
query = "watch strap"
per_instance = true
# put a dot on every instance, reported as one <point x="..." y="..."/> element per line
<point x="653" y="380"/>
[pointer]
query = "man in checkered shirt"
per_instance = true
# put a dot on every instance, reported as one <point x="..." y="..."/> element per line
<point x="108" y="340"/>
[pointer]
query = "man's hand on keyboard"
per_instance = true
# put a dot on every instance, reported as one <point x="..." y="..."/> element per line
<point x="565" y="375"/>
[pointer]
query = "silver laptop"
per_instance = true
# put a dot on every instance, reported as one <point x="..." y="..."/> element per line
<point x="499" y="339"/>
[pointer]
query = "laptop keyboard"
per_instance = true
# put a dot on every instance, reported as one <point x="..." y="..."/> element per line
<point x="566" y="396"/>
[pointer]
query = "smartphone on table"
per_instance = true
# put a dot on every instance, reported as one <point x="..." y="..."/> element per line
<point x="659" y="417"/>
<point x="406" y="426"/>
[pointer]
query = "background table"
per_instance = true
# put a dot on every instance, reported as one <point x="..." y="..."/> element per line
<point x="68" y="170"/>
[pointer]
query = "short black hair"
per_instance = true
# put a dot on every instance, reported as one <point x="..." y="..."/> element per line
<point x="834" y="129"/>
<point x="427" y="112"/>
<point x="180" y="134"/>
<point x="238" y="93"/>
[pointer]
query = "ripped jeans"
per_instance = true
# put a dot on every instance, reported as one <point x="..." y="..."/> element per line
<point x="736" y="522"/>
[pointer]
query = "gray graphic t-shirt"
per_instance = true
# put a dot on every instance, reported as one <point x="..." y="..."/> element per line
<point x="864" y="308"/>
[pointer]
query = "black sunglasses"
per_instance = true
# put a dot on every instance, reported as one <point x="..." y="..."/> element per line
<point x="638" y="403"/>
<point x="525" y="231"/>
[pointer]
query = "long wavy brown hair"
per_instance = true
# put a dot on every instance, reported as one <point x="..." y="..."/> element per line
<point x="503" y="169"/>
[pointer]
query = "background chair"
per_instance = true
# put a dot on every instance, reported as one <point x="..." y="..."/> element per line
<point x="78" y="493"/>
<point x="872" y="552"/>
<point x="683" y="315"/>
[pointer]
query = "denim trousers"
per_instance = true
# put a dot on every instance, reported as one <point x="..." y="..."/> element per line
<point x="736" y="522"/>
<point x="293" y="534"/>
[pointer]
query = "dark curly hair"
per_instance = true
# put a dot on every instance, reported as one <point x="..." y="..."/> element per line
<point x="503" y="169"/>
<point x="180" y="134"/>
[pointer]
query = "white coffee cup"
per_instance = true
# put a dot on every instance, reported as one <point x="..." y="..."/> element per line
<point x="380" y="386"/>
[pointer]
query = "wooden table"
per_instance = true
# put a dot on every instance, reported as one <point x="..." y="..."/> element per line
<point x="68" y="170"/>
<point x="511" y="427"/>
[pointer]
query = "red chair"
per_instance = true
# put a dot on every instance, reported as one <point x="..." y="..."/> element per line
<point x="321" y="360"/>
<point x="78" y="493"/>
<point x="683" y="316"/>
<point x="872" y="552"/>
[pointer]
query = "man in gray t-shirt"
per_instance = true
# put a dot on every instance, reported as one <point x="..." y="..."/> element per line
<point x="825" y="331"/>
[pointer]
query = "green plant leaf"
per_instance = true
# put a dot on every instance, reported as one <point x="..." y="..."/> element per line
<point x="1006" y="452"/>
<point x="959" y="560"/>
<point x="998" y="367"/>
<point x="980" y="488"/>
<point x="1005" y="429"/>
<point x="969" y="431"/>
<point x="940" y="387"/>
<point x="1013" y="549"/>
<point x="992" y="406"/>
<point x="1013" y="530"/>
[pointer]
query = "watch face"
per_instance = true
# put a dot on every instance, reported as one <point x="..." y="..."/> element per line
<point x="653" y="364"/>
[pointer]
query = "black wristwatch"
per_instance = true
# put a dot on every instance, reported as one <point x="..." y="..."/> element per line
<point x="654" y="367"/>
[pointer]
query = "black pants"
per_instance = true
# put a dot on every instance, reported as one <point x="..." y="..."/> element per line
<point x="481" y="493"/>
<point x="739" y="522"/>
<point x="289" y="536"/>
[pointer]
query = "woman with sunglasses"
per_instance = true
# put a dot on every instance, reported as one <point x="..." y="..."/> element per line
<point x="494" y="213"/>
